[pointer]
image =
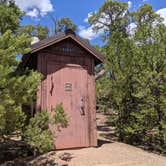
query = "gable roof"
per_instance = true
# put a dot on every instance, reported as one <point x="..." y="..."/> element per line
<point x="62" y="36"/>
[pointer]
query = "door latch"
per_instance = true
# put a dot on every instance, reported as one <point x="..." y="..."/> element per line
<point x="82" y="106"/>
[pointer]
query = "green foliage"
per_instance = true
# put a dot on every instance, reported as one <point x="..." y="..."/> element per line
<point x="34" y="31"/>
<point x="135" y="84"/>
<point x="152" y="89"/>
<point x="10" y="16"/>
<point x="60" y="116"/>
<point x="16" y="88"/>
<point x="38" y="135"/>
<point x="64" y="23"/>
<point x="111" y="16"/>
<point x="103" y="93"/>
<point x="145" y="15"/>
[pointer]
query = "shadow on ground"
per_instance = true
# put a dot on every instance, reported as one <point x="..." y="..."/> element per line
<point x="15" y="153"/>
<point x="101" y="142"/>
<point x="10" y="150"/>
<point x="106" y="132"/>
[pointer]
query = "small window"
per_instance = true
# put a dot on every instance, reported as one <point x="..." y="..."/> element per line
<point x="66" y="49"/>
<point x="68" y="87"/>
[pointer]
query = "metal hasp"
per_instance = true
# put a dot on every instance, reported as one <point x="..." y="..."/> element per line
<point x="67" y="63"/>
<point x="82" y="106"/>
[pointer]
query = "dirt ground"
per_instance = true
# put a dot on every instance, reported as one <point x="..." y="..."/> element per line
<point x="108" y="153"/>
<point x="114" y="154"/>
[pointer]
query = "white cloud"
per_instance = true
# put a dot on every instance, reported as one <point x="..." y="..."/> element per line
<point x="35" y="8"/>
<point x="144" y="0"/>
<point x="131" y="29"/>
<point x="104" y="19"/>
<point x="88" y="33"/>
<point x="129" y="4"/>
<point x="33" y="13"/>
<point x="162" y="13"/>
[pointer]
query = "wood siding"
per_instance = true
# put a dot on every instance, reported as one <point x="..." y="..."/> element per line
<point x="64" y="55"/>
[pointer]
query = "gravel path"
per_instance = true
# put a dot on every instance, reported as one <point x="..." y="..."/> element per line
<point x="114" y="154"/>
<point x="111" y="153"/>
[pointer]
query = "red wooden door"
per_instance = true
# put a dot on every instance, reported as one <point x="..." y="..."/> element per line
<point x="68" y="85"/>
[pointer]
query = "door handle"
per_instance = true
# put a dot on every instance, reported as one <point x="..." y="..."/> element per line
<point x="52" y="86"/>
<point x="82" y="107"/>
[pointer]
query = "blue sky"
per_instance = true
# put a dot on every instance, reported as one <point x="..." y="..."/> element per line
<point x="39" y="11"/>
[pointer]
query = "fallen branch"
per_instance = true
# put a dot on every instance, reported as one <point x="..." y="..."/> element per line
<point x="100" y="74"/>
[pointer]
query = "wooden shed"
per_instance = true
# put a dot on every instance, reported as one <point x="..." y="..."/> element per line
<point x="67" y="63"/>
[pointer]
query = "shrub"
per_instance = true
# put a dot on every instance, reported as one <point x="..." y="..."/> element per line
<point x="37" y="134"/>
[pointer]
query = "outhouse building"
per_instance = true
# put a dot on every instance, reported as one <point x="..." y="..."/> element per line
<point x="67" y="64"/>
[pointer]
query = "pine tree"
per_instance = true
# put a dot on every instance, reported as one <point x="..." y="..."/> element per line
<point x="152" y="114"/>
<point x="135" y="82"/>
<point x="112" y="16"/>
<point x="60" y="25"/>
<point x="16" y="88"/>
<point x="34" y="31"/>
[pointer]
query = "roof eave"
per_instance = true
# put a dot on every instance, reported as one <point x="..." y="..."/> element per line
<point x="76" y="39"/>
